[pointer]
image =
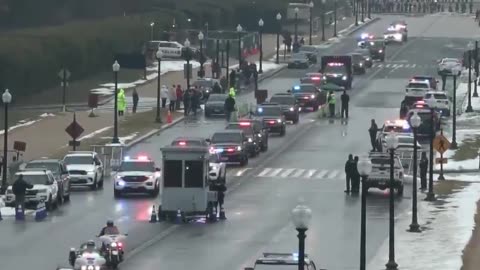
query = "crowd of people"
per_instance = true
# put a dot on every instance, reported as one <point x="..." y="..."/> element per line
<point x="409" y="6"/>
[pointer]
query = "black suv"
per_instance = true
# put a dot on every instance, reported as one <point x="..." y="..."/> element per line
<point x="259" y="129"/>
<point x="308" y="95"/>
<point x="272" y="116"/>
<point x="289" y="105"/>
<point x="230" y="146"/>
<point x="377" y="49"/>
<point x="359" y="65"/>
<point x="59" y="171"/>
<point x="253" y="143"/>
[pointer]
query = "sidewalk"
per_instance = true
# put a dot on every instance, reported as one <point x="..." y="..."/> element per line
<point x="47" y="136"/>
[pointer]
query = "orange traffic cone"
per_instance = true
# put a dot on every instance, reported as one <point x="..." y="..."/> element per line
<point x="169" y="117"/>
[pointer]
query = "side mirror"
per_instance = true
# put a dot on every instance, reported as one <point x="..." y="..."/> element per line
<point x="289" y="91"/>
<point x="157" y="169"/>
<point x="208" y="140"/>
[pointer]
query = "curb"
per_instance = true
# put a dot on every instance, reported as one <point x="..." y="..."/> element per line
<point x="355" y="29"/>
<point x="458" y="171"/>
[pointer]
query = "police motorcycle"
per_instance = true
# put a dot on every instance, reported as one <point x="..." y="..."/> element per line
<point x="112" y="248"/>
<point x="87" y="257"/>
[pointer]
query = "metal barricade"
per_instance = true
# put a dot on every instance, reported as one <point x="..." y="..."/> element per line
<point x="111" y="155"/>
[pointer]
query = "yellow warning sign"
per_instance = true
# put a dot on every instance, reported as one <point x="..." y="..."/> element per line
<point x="441" y="144"/>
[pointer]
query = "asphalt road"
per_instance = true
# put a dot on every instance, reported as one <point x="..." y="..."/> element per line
<point x="307" y="163"/>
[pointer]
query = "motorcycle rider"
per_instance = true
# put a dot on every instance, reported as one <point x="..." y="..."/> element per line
<point x="90" y="247"/>
<point x="110" y="229"/>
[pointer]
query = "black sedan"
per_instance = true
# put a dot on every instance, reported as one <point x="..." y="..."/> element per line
<point x="215" y="105"/>
<point x="289" y="105"/>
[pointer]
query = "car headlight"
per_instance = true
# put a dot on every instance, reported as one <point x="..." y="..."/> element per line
<point x="380" y="51"/>
<point x="312" y="96"/>
<point x="291" y="109"/>
<point x="385" y="36"/>
<point x="113" y="244"/>
<point x="361" y="64"/>
<point x="121" y="183"/>
<point x="259" y="135"/>
<point x="344" y="78"/>
<point x="213" y="167"/>
<point x="250" y="140"/>
<point x="239" y="148"/>
<point x="279" y="120"/>
<point x="90" y="172"/>
<point x="324" y="77"/>
<point x="368" y="59"/>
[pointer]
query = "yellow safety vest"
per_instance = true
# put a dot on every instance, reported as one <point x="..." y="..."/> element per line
<point x="232" y="92"/>
<point x="332" y="100"/>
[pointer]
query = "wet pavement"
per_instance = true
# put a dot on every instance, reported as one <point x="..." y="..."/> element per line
<point x="307" y="163"/>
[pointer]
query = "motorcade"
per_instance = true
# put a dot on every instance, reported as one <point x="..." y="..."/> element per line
<point x="253" y="142"/>
<point x="418" y="88"/>
<point x="393" y="36"/>
<point x="85" y="169"/>
<point x="338" y="70"/>
<point x="271" y="114"/>
<point x="215" y="105"/>
<point x="308" y="95"/>
<point x="230" y="146"/>
<point x="87" y="257"/>
<point x="314" y="78"/>
<point x="59" y="171"/>
<point x="430" y="79"/>
<point x="190" y="141"/>
<point x="439" y="101"/>
<point x="289" y="104"/>
<point x="260" y="130"/>
<point x="363" y="38"/>
<point x="359" y="65"/>
<point x="137" y="175"/>
<point x="430" y="123"/>
<point x="113" y="248"/>
<point x="380" y="175"/>
<point x="377" y="49"/>
<point x="366" y="56"/>
<point x="398" y="126"/>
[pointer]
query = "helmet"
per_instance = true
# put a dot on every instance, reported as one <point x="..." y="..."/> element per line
<point x="90" y="244"/>
<point x="110" y="223"/>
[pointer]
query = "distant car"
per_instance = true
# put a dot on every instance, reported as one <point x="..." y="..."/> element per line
<point x="215" y="105"/>
<point x="314" y="78"/>
<point x="253" y="143"/>
<point x="298" y="60"/>
<point x="380" y="174"/>
<point x="217" y="170"/>
<point x="260" y="130"/>
<point x="405" y="148"/>
<point x="190" y="141"/>
<point x="366" y="56"/>
<point x="439" y="101"/>
<point x="283" y="261"/>
<point x="358" y="62"/>
<point x="59" y="171"/>
<point x="137" y="175"/>
<point x="308" y="95"/>
<point x="85" y="169"/>
<point x="398" y="126"/>
<point x="430" y="79"/>
<point x="272" y="116"/>
<point x="393" y="36"/>
<point x="449" y="66"/>
<point x="311" y="52"/>
<point x="205" y="85"/>
<point x="289" y="105"/>
<point x="377" y="49"/>
<point x="398" y="26"/>
<point x="418" y="88"/>
<point x="230" y="146"/>
<point x="363" y="38"/>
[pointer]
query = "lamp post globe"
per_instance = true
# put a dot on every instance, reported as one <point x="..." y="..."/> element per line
<point x="186" y="43"/>
<point x="279" y="17"/>
<point x="301" y="216"/>
<point x="201" y="36"/>
<point x="116" y="66"/>
<point x="415" y="120"/>
<point x="364" y="166"/>
<point x="6" y="97"/>
<point x="159" y="54"/>
<point x="239" y="28"/>
<point x="296" y="10"/>
<point x="311" y="4"/>
<point x="391" y="141"/>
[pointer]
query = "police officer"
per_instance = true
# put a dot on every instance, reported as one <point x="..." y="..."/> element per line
<point x="109" y="229"/>
<point x="229" y="107"/>
<point x="403" y="109"/>
<point x="231" y="92"/>
<point x="331" y="103"/>
<point x="373" y="135"/>
<point x="355" y="176"/>
<point x="221" y="189"/>
<point x="233" y="78"/>
<point x="423" y="171"/>
<point x="19" y="188"/>
<point x="345" y="98"/>
<point x="349" y="172"/>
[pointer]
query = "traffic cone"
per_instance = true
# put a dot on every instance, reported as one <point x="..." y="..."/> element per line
<point x="19" y="212"/>
<point x="222" y="213"/>
<point x="213" y="217"/>
<point x="178" y="220"/>
<point x="169" y="117"/>
<point x="41" y="212"/>
<point x="153" y="216"/>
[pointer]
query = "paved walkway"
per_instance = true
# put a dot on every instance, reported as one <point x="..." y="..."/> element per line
<point x="48" y="135"/>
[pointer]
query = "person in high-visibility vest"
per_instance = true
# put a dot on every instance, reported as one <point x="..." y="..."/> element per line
<point x="331" y="103"/>
<point x="232" y="92"/>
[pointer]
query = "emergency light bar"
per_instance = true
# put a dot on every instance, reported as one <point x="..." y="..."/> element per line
<point x="126" y="158"/>
<point x="315" y="78"/>
<point x="335" y="64"/>
<point x="182" y="143"/>
<point x="245" y="124"/>
<point x="296" y="87"/>
<point x="143" y="158"/>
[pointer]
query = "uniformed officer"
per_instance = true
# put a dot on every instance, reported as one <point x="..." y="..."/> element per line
<point x="345" y="98"/>
<point x="355" y="176"/>
<point x="423" y="171"/>
<point x="331" y="103"/>
<point x="231" y="92"/>
<point x="372" y="131"/>
<point x="348" y="172"/>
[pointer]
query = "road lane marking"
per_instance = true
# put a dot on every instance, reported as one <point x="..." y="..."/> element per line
<point x="286" y="173"/>
<point x="333" y="174"/>
<point x="387" y="66"/>
<point x="321" y="174"/>
<point x="274" y="172"/>
<point x="309" y="173"/>
<point x="242" y="171"/>
<point x="264" y="172"/>
<point x="414" y="65"/>
<point x="298" y="173"/>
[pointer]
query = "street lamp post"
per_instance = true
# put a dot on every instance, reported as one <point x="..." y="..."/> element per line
<point x="415" y="121"/>
<point x="239" y="30"/>
<point x="260" y="28"/>
<point x="202" y="70"/>
<point x="364" y="168"/>
<point x="159" y="56"/>
<point x="323" y="19"/>
<point x="311" y="5"/>
<point x="301" y="216"/>
<point x="116" y="69"/>
<point x="355" y="3"/>
<point x="152" y="24"/>
<point x="295" y="40"/>
<point x="431" y="194"/>
<point x="392" y="143"/>
<point x="279" y="19"/>
<point x="475" y="93"/>
<point x="454" y="116"/>
<point x="369" y="9"/>
<point x="469" y="106"/>
<point x="363" y="10"/>
<point x="188" y="57"/>
<point x="6" y="98"/>
<point x="335" y="18"/>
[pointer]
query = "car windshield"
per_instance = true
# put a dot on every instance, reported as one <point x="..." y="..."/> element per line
<point x="299" y="56"/>
<point x="203" y="83"/>
<point x="283" y="100"/>
<point x="417" y="85"/>
<point x="226" y="137"/>
<point x="384" y="162"/>
<point x="236" y="126"/>
<point x="304" y="88"/>
<point x="376" y="44"/>
<point x="308" y="49"/>
<point x="137" y="166"/>
<point x="422" y="78"/>
<point x="436" y="96"/>
<point x="51" y="166"/>
<point x="269" y="111"/>
<point x="36" y="179"/>
<point x="217" y="97"/>
<point x="78" y="160"/>
<point x="335" y="69"/>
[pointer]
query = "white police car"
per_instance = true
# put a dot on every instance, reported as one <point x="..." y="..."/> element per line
<point x="85" y="169"/>
<point x="170" y="49"/>
<point x="217" y="170"/>
<point x="286" y="261"/>
<point x="439" y="101"/>
<point x="137" y="176"/>
<point x="397" y="126"/>
<point x="45" y="188"/>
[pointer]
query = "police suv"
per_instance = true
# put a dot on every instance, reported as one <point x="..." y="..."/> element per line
<point x="272" y="116"/>
<point x="380" y="175"/>
<point x="45" y="188"/>
<point x="85" y="169"/>
<point x="170" y="49"/>
<point x="286" y="261"/>
<point x="137" y="176"/>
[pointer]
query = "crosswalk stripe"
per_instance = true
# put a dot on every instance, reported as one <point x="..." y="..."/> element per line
<point x="379" y="65"/>
<point x="387" y="66"/>
<point x="396" y="65"/>
<point x="298" y="173"/>
<point x="287" y="172"/>
<point x="274" y="172"/>
<point x="310" y="173"/>
<point x="242" y="171"/>
<point x="333" y="174"/>
<point x="321" y="174"/>
<point x="414" y="65"/>
<point x="264" y="172"/>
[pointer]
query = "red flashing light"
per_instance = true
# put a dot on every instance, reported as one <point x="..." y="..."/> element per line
<point x="271" y="122"/>
<point x="230" y="150"/>
<point x="120" y="244"/>
<point x="335" y="64"/>
<point x="142" y="158"/>
<point x="245" y="124"/>
<point x="182" y="143"/>
<point x="315" y="78"/>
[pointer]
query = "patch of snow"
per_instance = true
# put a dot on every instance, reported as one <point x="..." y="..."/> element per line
<point x="460" y="177"/>
<point x="24" y="124"/>
<point x="119" y="85"/>
<point x="103" y="91"/>
<point x="96" y="132"/>
<point x="10" y="212"/>
<point x="462" y="136"/>
<point x="452" y="224"/>
<point x="266" y="66"/>
<point x="469" y="164"/>
<point x="124" y="139"/>
<point x="43" y="115"/>
<point x="168" y="66"/>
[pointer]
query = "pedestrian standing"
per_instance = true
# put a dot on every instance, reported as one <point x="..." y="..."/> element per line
<point x="217" y="89"/>
<point x="19" y="188"/>
<point x="302" y="41"/>
<point x="195" y="100"/>
<point x="135" y="100"/>
<point x="164" y="95"/>
<point x="172" y="96"/>
<point x="423" y="171"/>
<point x="331" y="103"/>
<point x="229" y="107"/>
<point x="233" y="78"/>
<point x="345" y="98"/>
<point x="121" y="102"/>
<point x="179" y="92"/>
<point x="355" y="176"/>
<point x="186" y="103"/>
<point x="349" y="172"/>
<point x="372" y="131"/>
<point x="221" y="188"/>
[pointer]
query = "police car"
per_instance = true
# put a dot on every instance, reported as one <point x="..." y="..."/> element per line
<point x="285" y="261"/>
<point x="361" y="41"/>
<point x="393" y="36"/>
<point x="138" y="175"/>
<point x="397" y="126"/>
<point x="439" y="101"/>
<point x="425" y="113"/>
<point x="272" y="116"/>
<point x="85" y="169"/>
<point x="170" y="49"/>
<point x="380" y="175"/>
<point x="45" y="188"/>
<point x="418" y="88"/>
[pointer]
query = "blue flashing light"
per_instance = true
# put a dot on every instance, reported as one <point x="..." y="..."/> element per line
<point x="218" y="150"/>
<point x="296" y="87"/>
<point x="260" y="110"/>
<point x="126" y="158"/>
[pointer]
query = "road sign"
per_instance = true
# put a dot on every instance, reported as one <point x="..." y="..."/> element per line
<point x="74" y="130"/>
<point x="65" y="72"/>
<point x="74" y="143"/>
<point x="441" y="160"/>
<point x="19" y="146"/>
<point x="441" y="144"/>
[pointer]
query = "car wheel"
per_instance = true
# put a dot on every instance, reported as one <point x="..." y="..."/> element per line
<point x="49" y="204"/>
<point x="283" y="131"/>
<point x="400" y="190"/>
<point x="117" y="194"/>
<point x="95" y="183"/>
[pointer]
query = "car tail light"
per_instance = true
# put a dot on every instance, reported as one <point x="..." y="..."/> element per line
<point x="245" y="124"/>
<point x="182" y="143"/>
<point x="230" y="150"/>
<point x="315" y="78"/>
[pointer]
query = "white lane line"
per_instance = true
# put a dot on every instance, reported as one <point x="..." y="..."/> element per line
<point x="242" y="171"/>
<point x="298" y="173"/>
<point x="264" y="172"/>
<point x="321" y="174"/>
<point x="309" y="173"/>
<point x="274" y="172"/>
<point x="413" y="65"/>
<point x="387" y="65"/>
<point x="396" y="65"/>
<point x="333" y="174"/>
<point x="286" y="173"/>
